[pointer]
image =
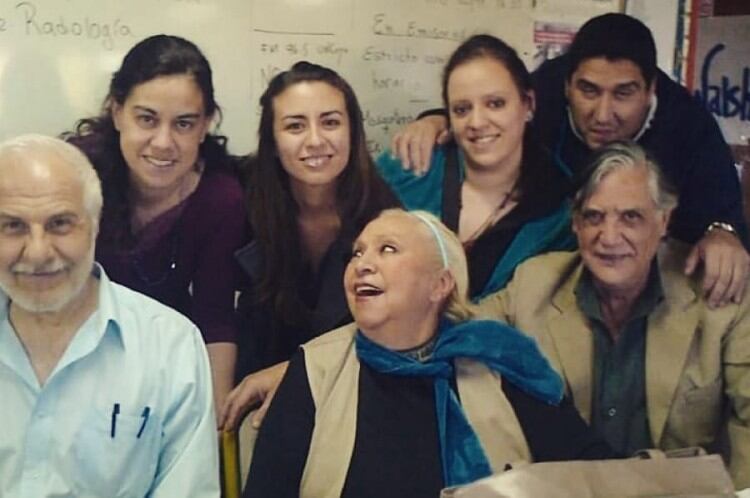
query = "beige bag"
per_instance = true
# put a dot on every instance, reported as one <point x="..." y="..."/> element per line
<point x="656" y="475"/>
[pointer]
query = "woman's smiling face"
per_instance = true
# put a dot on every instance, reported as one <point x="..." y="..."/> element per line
<point x="312" y="132"/>
<point x="488" y="113"/>
<point x="162" y="123"/>
<point x="394" y="276"/>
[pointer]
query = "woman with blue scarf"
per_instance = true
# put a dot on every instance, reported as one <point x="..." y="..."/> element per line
<point x="415" y="395"/>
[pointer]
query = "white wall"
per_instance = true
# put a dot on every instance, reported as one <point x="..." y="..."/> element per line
<point x="56" y="56"/>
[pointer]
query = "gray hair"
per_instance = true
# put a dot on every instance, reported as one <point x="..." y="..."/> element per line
<point x="457" y="306"/>
<point x="26" y="147"/>
<point x="626" y="155"/>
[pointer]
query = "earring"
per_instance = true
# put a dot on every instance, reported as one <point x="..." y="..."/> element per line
<point x="529" y="116"/>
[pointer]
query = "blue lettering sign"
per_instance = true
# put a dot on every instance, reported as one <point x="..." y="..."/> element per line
<point x="724" y="99"/>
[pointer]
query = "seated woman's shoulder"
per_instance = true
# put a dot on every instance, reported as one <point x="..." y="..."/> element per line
<point x="343" y="334"/>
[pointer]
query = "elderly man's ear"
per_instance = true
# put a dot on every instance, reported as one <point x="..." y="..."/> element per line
<point x="666" y="217"/>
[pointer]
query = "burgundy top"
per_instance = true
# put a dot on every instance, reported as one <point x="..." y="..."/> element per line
<point x="184" y="257"/>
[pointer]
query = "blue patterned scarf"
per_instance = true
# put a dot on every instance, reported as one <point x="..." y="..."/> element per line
<point x="499" y="347"/>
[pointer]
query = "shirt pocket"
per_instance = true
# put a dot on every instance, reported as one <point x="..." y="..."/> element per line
<point x="119" y="466"/>
<point x="708" y="394"/>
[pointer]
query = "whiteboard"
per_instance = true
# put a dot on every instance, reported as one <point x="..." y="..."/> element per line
<point x="57" y="56"/>
<point x="722" y="67"/>
<point x="661" y="17"/>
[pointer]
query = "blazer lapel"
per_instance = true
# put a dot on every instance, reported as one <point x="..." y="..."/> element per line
<point x="571" y="344"/>
<point x="670" y="333"/>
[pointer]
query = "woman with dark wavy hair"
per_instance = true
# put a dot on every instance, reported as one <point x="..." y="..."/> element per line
<point x="173" y="209"/>
<point x="311" y="189"/>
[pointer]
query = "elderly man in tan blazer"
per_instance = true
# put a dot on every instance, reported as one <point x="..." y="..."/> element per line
<point x="647" y="361"/>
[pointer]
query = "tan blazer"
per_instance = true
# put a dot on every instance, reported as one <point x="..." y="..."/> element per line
<point x="333" y="373"/>
<point x="697" y="359"/>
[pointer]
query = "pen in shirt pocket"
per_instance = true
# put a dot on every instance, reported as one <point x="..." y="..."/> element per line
<point x="145" y="415"/>
<point x="115" y="412"/>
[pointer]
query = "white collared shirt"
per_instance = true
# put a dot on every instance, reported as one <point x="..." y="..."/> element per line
<point x="127" y="412"/>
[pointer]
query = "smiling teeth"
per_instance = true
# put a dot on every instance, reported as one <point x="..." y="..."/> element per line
<point x="485" y="139"/>
<point x="612" y="257"/>
<point x="315" y="161"/>
<point x="161" y="163"/>
<point x="367" y="290"/>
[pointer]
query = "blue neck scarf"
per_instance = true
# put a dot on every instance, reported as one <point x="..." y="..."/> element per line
<point x="499" y="347"/>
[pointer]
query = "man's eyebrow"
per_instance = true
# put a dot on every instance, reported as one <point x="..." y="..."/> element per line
<point x="581" y="81"/>
<point x="64" y="214"/>
<point x="629" y="85"/>
<point x="190" y="115"/>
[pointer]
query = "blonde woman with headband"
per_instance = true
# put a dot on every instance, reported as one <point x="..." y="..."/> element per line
<point x="415" y="395"/>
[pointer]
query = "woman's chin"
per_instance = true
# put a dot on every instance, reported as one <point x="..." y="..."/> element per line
<point x="369" y="326"/>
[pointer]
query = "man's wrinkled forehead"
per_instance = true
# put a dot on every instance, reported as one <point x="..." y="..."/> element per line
<point x="621" y="189"/>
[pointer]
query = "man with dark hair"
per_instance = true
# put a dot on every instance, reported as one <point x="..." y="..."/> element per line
<point x="606" y="88"/>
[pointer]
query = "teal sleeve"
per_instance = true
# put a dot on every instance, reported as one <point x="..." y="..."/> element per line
<point x="415" y="192"/>
<point x="550" y="233"/>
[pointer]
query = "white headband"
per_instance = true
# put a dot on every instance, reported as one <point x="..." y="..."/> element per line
<point x="436" y="234"/>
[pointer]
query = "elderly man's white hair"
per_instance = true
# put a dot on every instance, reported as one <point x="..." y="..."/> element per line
<point x="32" y="147"/>
<point x="621" y="155"/>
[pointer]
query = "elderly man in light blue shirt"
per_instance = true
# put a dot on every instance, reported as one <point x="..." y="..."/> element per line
<point x="105" y="392"/>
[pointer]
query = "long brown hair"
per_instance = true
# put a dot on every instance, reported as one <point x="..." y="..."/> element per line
<point x="360" y="194"/>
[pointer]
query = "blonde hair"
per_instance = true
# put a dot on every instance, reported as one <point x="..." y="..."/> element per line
<point x="450" y="253"/>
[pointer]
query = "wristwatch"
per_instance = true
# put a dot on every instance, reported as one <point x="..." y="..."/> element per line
<point x="721" y="225"/>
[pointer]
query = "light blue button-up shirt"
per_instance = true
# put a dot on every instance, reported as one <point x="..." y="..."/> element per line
<point x="127" y="412"/>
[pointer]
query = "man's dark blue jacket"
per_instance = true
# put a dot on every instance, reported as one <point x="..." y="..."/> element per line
<point x="683" y="137"/>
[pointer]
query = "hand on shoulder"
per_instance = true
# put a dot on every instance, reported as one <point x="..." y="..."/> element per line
<point x="726" y="266"/>
<point x="413" y="143"/>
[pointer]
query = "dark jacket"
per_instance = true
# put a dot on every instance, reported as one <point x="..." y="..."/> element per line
<point x="683" y="137"/>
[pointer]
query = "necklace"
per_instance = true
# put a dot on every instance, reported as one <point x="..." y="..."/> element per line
<point x="421" y="353"/>
<point x="489" y="221"/>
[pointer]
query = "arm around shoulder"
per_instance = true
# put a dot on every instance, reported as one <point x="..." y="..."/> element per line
<point x="413" y="190"/>
<point x="413" y="144"/>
